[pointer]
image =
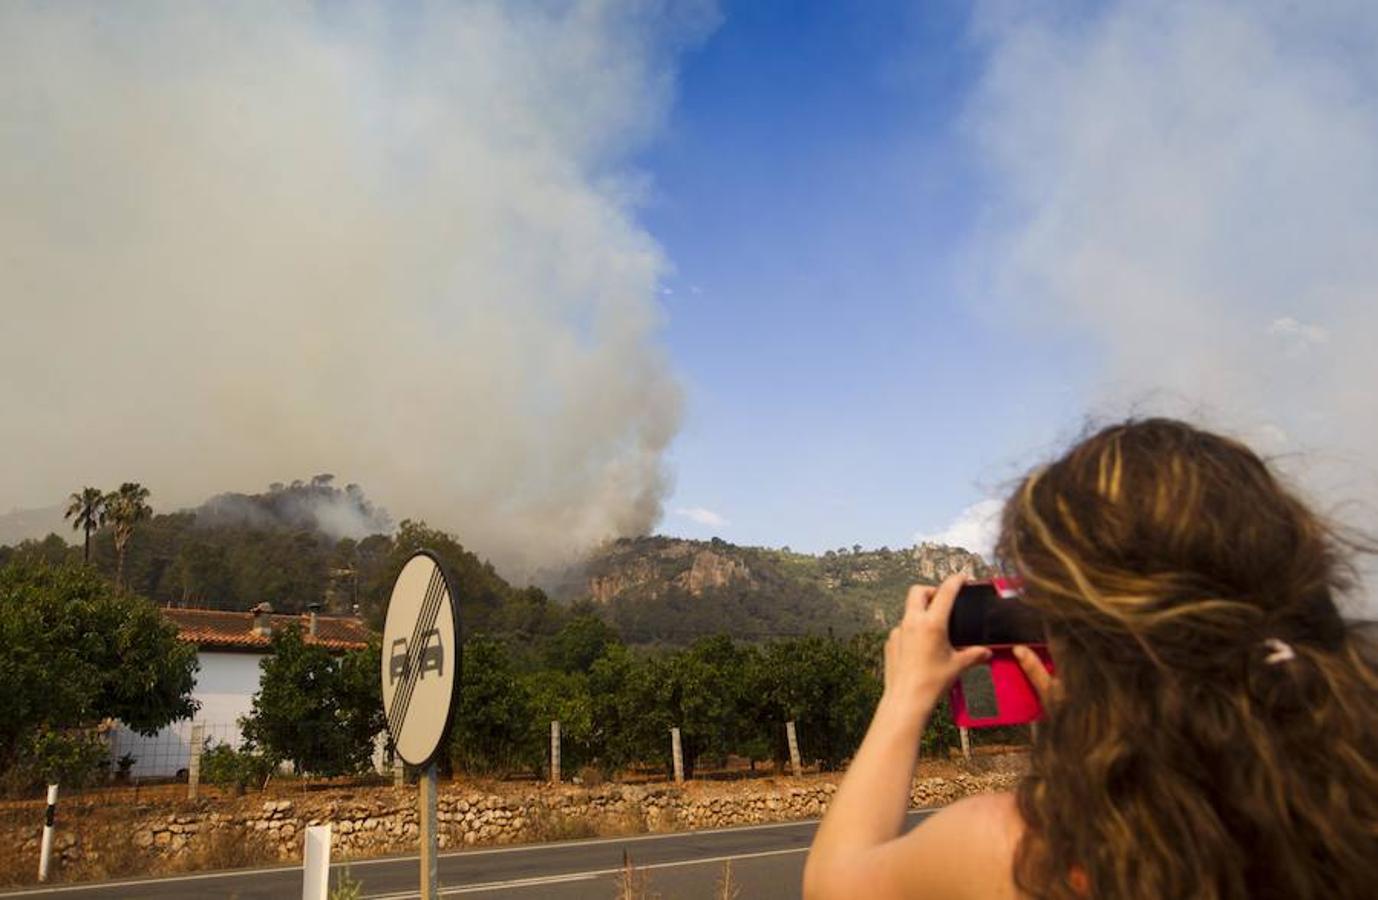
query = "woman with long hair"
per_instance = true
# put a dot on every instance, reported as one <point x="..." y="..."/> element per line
<point x="1212" y="729"/>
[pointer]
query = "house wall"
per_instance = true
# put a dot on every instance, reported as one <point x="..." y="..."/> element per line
<point x="225" y="686"/>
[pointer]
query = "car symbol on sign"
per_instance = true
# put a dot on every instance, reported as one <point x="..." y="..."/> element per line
<point x="432" y="656"/>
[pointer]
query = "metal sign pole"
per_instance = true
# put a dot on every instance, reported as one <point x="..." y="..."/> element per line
<point x="430" y="877"/>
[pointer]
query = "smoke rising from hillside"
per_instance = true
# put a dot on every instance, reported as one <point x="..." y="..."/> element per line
<point x="1192" y="187"/>
<point x="392" y="242"/>
<point x="314" y="506"/>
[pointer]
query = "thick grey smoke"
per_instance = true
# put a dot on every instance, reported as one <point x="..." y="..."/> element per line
<point x="313" y="506"/>
<point x="395" y="242"/>
<point x="1192" y="187"/>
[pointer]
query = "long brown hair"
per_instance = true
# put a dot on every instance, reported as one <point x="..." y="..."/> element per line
<point x="1186" y="755"/>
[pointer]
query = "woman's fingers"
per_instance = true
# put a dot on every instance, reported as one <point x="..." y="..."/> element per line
<point x="917" y="601"/>
<point x="1039" y="677"/>
<point x="940" y="607"/>
<point x="971" y="656"/>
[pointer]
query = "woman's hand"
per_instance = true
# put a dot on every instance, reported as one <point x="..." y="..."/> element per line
<point x="920" y="662"/>
<point x="1044" y="684"/>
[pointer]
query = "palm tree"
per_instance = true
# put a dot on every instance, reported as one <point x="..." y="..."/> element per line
<point x="124" y="509"/>
<point x="87" y="512"/>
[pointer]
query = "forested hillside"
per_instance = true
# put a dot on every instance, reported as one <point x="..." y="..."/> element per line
<point x="310" y="542"/>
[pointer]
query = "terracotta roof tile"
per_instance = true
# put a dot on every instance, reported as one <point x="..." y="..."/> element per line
<point x="235" y="630"/>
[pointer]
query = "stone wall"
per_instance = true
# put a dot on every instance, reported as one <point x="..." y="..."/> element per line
<point x="384" y="820"/>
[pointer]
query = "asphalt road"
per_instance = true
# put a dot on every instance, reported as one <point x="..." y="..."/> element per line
<point x="767" y="862"/>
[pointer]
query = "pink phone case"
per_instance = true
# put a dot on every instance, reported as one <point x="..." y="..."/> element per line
<point x="1015" y="700"/>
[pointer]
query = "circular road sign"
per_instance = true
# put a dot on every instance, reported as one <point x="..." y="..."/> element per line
<point x="420" y="658"/>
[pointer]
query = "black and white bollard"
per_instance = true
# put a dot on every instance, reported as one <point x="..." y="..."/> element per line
<point x="46" y="850"/>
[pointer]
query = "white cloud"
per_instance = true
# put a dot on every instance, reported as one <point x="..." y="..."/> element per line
<point x="702" y="516"/>
<point x="975" y="528"/>
<point x="1297" y="337"/>
<point x="1290" y="327"/>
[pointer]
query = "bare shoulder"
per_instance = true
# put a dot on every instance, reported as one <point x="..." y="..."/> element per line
<point x="996" y="811"/>
<point x="966" y="849"/>
<point x="993" y="818"/>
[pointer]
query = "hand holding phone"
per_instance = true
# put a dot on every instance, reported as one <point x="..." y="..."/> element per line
<point x="990" y="614"/>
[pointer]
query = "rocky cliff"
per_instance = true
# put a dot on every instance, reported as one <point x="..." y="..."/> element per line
<point x="671" y="588"/>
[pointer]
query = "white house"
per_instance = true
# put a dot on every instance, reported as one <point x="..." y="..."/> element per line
<point x="229" y="648"/>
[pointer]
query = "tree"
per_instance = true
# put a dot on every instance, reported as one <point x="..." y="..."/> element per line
<point x="579" y="642"/>
<point x="76" y="652"/>
<point x="702" y="688"/>
<point x="87" y="512"/>
<point x="494" y="730"/>
<point x="124" y="509"/>
<point x="564" y="697"/>
<point x="828" y="687"/>
<point x="316" y="710"/>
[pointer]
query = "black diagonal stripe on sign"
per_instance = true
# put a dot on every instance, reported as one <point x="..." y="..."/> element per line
<point x="425" y="621"/>
<point x="430" y="606"/>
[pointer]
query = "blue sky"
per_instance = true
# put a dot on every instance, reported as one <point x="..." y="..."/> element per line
<point x="815" y="193"/>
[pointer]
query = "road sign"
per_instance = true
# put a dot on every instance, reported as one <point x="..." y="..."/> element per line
<point x="420" y="658"/>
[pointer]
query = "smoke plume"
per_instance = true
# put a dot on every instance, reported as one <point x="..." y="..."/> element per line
<point x="1191" y="187"/>
<point x="396" y="242"/>
<point x="312" y="506"/>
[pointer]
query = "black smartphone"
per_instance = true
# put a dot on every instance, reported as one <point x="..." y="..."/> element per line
<point x="985" y="615"/>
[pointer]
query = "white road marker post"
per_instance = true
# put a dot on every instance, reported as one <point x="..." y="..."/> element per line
<point x="678" y="752"/>
<point x="45" y="851"/>
<point x="793" y="739"/>
<point x="965" y="735"/>
<point x="555" y="751"/>
<point x="315" y="882"/>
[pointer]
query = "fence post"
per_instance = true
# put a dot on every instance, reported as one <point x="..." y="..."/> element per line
<point x="1033" y="732"/>
<point x="793" y="739"/>
<point x="965" y="735"/>
<point x="315" y="881"/>
<point x="198" y="743"/>
<point x="678" y="752"/>
<point x="555" y="751"/>
<point x="399" y="770"/>
<point x="45" y="852"/>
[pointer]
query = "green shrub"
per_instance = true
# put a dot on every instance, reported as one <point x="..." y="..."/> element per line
<point x="239" y="769"/>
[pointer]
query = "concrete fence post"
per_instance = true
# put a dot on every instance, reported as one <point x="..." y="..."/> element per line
<point x="315" y="882"/>
<point x="45" y="851"/>
<point x="678" y="752"/>
<point x="555" y="751"/>
<point x="965" y="735"/>
<point x="792" y="737"/>
<point x="399" y="771"/>
<point x="198" y="744"/>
